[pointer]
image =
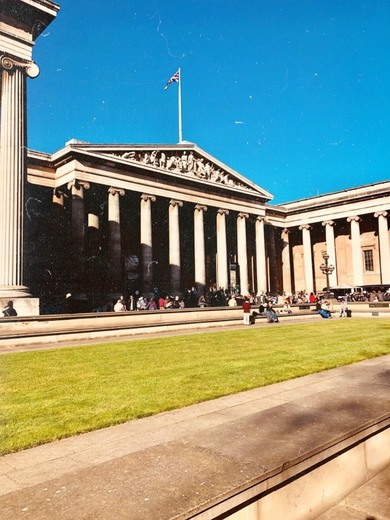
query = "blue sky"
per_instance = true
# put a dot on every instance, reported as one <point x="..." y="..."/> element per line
<point x="293" y="94"/>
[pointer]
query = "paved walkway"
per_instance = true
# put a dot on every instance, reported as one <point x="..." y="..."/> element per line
<point x="161" y="466"/>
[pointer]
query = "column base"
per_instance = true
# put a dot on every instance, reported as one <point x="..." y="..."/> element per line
<point x="14" y="291"/>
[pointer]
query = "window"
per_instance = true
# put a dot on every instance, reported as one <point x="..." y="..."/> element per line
<point x="368" y="260"/>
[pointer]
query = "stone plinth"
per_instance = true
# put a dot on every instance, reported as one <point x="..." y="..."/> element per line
<point x="23" y="306"/>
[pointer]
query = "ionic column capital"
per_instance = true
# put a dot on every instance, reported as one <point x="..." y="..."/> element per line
<point x="148" y="198"/>
<point x="59" y="192"/>
<point x="261" y="219"/>
<point x="78" y="184"/>
<point x="329" y="223"/>
<point x="116" y="191"/>
<point x="380" y="214"/>
<point x="305" y="226"/>
<point x="223" y="211"/>
<point x="199" y="207"/>
<point x="243" y="215"/>
<point x="59" y="195"/>
<point x="10" y="64"/>
<point x="175" y="203"/>
<point x="355" y="218"/>
<point x="286" y="231"/>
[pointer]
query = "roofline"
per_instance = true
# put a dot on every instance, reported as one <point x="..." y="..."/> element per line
<point x="286" y="205"/>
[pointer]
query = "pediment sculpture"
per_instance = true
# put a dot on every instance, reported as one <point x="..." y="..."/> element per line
<point x="183" y="162"/>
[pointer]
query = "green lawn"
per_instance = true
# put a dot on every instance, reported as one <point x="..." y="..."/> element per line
<point x="47" y="395"/>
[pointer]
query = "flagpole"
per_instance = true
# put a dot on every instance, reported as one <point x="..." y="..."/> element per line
<point x="179" y="111"/>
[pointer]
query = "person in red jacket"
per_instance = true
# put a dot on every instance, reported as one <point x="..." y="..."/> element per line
<point x="246" y="307"/>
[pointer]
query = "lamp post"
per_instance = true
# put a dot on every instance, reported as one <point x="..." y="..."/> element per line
<point x="327" y="269"/>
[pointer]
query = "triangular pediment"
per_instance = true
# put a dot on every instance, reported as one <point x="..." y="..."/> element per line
<point x="184" y="160"/>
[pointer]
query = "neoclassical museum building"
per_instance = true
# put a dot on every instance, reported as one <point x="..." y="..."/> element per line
<point x="102" y="220"/>
<point x="108" y="219"/>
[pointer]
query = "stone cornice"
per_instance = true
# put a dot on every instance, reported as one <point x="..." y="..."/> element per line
<point x="359" y="193"/>
<point x="33" y="16"/>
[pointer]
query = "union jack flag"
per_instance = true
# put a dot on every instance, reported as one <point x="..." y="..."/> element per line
<point x="175" y="78"/>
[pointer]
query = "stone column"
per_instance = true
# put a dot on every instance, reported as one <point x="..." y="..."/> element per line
<point x="147" y="243"/>
<point x="114" y="240"/>
<point x="199" y="248"/>
<point x="78" y="223"/>
<point x="286" y="269"/>
<point x="21" y="23"/>
<point x="58" y="199"/>
<point x="274" y="277"/>
<point x="384" y="247"/>
<point x="307" y="257"/>
<point x="13" y="174"/>
<point x="57" y="211"/>
<point x="174" y="246"/>
<point x="356" y="250"/>
<point x="93" y="234"/>
<point x="261" y="269"/>
<point x="331" y="249"/>
<point x="58" y="229"/>
<point x="222" y="257"/>
<point x="242" y="255"/>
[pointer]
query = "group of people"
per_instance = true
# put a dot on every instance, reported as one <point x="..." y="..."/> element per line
<point x="370" y="296"/>
<point x="213" y="297"/>
<point x="266" y="310"/>
<point x="142" y="303"/>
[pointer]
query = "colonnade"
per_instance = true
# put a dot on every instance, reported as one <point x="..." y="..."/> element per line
<point x="355" y="252"/>
<point x="256" y="283"/>
<point x="253" y="260"/>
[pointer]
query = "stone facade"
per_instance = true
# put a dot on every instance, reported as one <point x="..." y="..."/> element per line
<point x="351" y="225"/>
<point x="124" y="221"/>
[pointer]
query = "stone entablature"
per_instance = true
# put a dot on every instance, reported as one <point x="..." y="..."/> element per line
<point x="42" y="175"/>
<point x="21" y="22"/>
<point x="364" y="200"/>
<point x="104" y="164"/>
